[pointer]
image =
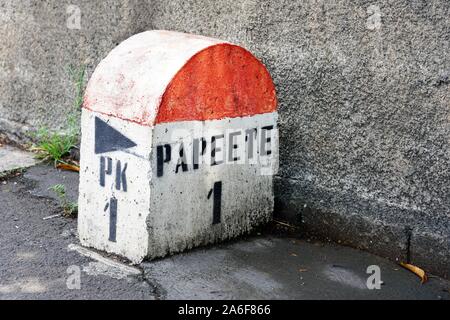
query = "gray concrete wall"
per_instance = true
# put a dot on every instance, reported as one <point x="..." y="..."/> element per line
<point x="364" y="100"/>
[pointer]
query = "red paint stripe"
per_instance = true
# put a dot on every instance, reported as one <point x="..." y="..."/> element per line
<point x="221" y="81"/>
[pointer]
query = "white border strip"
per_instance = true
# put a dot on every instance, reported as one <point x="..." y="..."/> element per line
<point x="109" y="262"/>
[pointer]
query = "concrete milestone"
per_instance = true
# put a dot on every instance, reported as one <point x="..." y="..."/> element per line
<point x="179" y="146"/>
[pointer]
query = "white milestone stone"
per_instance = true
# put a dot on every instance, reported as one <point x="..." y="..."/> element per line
<point x="159" y="175"/>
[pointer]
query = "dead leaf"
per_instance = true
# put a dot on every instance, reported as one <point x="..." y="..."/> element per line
<point x="68" y="167"/>
<point x="293" y="254"/>
<point x="302" y="270"/>
<point x="419" y="272"/>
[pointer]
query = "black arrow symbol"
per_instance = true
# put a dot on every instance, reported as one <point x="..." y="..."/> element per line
<point x="108" y="139"/>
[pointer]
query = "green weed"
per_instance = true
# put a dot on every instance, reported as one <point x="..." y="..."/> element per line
<point x="55" y="146"/>
<point x="70" y="209"/>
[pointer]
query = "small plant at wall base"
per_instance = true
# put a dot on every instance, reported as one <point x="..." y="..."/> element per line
<point x="53" y="146"/>
<point x="57" y="146"/>
<point x="70" y="209"/>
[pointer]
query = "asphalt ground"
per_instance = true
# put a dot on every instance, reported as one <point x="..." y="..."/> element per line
<point x="41" y="259"/>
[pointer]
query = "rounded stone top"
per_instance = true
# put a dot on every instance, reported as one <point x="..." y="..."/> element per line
<point x="163" y="76"/>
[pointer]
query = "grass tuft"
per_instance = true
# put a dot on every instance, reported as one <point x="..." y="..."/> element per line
<point x="56" y="146"/>
<point x="70" y="209"/>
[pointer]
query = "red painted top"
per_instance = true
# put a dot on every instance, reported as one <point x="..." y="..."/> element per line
<point x="222" y="81"/>
<point x="196" y="78"/>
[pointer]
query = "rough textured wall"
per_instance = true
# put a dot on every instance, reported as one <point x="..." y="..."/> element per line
<point x="365" y="114"/>
<point x="364" y="100"/>
<point x="40" y="40"/>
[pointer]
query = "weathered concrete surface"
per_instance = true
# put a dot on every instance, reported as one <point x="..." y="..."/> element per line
<point x="364" y="114"/>
<point x="12" y="158"/>
<point x="41" y="40"/>
<point x="362" y="86"/>
<point x="37" y="253"/>
<point x="283" y="268"/>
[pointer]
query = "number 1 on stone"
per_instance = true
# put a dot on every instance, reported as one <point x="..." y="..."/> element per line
<point x="112" y="206"/>
<point x="217" y="201"/>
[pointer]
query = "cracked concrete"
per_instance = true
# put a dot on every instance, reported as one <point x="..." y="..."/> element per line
<point x="38" y="257"/>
